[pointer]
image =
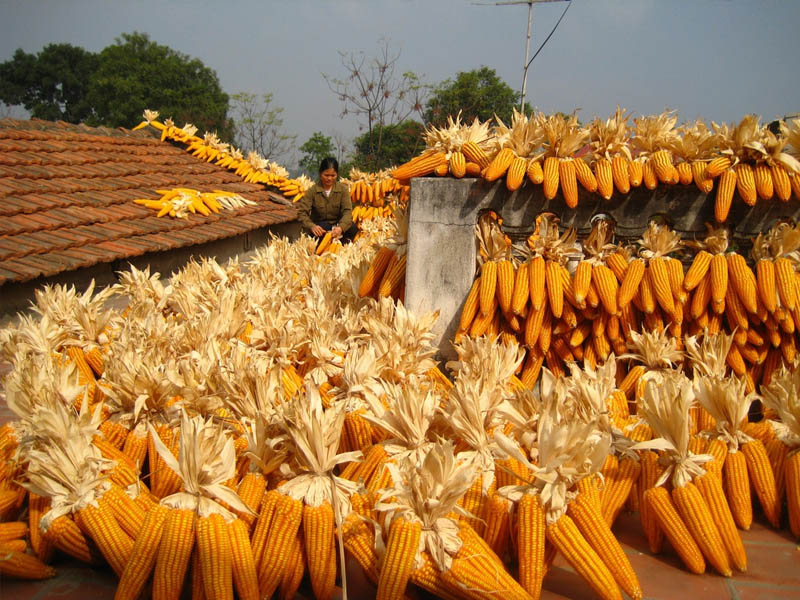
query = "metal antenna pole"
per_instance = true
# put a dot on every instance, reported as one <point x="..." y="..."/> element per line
<point x="527" y="63"/>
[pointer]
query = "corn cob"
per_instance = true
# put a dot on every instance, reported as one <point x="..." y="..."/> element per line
<point x="488" y="286"/>
<point x="128" y="514"/>
<point x="215" y="556"/>
<point x="737" y="489"/>
<point x="458" y="164"/>
<point x="537" y="281"/>
<point x="530" y="545"/>
<point x="555" y="289"/>
<point x="598" y="534"/>
<point x="143" y="556"/>
<point x="474" y="153"/>
<point x="777" y="452"/>
<point x="174" y="552"/>
<point x="649" y="177"/>
<point x="585" y="176"/>
<point x="519" y="298"/>
<point x="516" y="173"/>
<point x="568" y="181"/>
<point x="620" y="173"/>
<point x="704" y="184"/>
<point x="551" y="177"/>
<point x="718" y="271"/>
<point x="684" y="172"/>
<point x="12" y="530"/>
<point x="743" y="280"/>
<point x="375" y="272"/>
<point x="505" y="284"/>
<point x="607" y="287"/>
<point x="98" y="522"/>
<point x="401" y="549"/>
<point x="534" y="171"/>
<point x="792" y="475"/>
<point x="472" y="169"/>
<point x="295" y="570"/>
<point x="394" y="278"/>
<point x="725" y="189"/>
<point x="24" y="566"/>
<point x="605" y="179"/>
<point x="567" y="538"/>
<point x="762" y="480"/>
<point x="785" y="282"/>
<point x="763" y="179"/>
<point x="717" y="166"/>
<point x="499" y="164"/>
<point x="476" y="567"/>
<point x="659" y="278"/>
<point x="697" y="270"/>
<point x="421" y="165"/>
<point x="283" y="529"/>
<point x="781" y="183"/>
<point x="618" y="487"/>
<point x="496" y="533"/>
<point x="673" y="526"/>
<point x="65" y="535"/>
<point x="697" y="517"/>
<point x="318" y="525"/>
<point x="648" y="475"/>
<point x="710" y="486"/>
<point x="745" y="183"/>
<point x="636" y="172"/>
<point x="243" y="566"/>
<point x="37" y="507"/>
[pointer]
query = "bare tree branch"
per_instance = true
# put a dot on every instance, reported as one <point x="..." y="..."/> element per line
<point x="257" y="126"/>
<point x="375" y="93"/>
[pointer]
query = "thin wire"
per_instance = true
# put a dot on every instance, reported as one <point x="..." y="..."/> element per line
<point x="569" y="3"/>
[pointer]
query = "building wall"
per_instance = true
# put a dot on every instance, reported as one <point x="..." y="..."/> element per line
<point x="17" y="297"/>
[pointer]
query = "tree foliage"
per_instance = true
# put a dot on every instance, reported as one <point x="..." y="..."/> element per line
<point x="114" y="87"/>
<point x="377" y="95"/>
<point x="136" y="73"/>
<point x="52" y="84"/>
<point x="257" y="125"/>
<point x="314" y="149"/>
<point x="399" y="143"/>
<point x="478" y="93"/>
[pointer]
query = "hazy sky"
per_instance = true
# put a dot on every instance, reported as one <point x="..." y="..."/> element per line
<point x="713" y="59"/>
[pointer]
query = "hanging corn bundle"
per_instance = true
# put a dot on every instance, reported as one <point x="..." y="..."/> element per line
<point x="611" y="165"/>
<point x="425" y="544"/>
<point x="653" y="137"/>
<point x="780" y="396"/>
<point x="680" y="508"/>
<point x="745" y="467"/>
<point x="551" y="504"/>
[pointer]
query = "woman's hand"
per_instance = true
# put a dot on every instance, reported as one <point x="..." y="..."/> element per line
<point x="317" y="231"/>
<point x="336" y="232"/>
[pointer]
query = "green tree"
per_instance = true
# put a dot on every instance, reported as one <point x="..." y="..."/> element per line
<point x="257" y="125"/>
<point x="52" y="84"/>
<point x="315" y="148"/>
<point x="399" y="143"/>
<point x="478" y="93"/>
<point x="136" y="73"/>
<point x="114" y="87"/>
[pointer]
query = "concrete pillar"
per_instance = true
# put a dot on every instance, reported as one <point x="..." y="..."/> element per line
<point x="443" y="211"/>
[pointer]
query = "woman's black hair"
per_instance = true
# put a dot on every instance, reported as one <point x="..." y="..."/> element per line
<point x="329" y="162"/>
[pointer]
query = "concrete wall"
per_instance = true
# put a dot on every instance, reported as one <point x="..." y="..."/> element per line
<point x="17" y="297"/>
<point x="443" y="211"/>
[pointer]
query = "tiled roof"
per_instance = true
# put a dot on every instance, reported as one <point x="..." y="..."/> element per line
<point x="67" y="191"/>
